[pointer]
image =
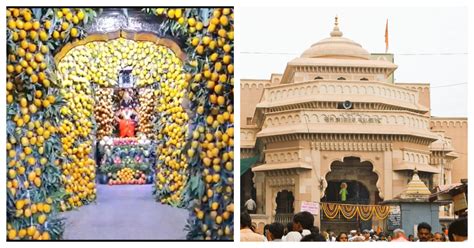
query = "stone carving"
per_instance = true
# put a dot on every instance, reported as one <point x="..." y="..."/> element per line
<point x="281" y="181"/>
<point x="298" y="90"/>
<point x="325" y="117"/>
<point x="282" y="156"/>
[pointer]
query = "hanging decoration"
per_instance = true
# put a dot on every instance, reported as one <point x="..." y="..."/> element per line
<point x="349" y="211"/>
<point x="365" y="212"/>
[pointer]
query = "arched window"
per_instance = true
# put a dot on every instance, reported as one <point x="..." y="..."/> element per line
<point x="317" y="78"/>
<point x="341" y="78"/>
<point x="364" y="79"/>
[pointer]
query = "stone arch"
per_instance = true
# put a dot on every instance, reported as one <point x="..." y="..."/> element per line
<point x="278" y="121"/>
<point x="331" y="89"/>
<point x="370" y="90"/>
<point x="281" y="157"/>
<point x="269" y="121"/>
<point x="290" y="92"/>
<point x="306" y="118"/>
<point x="288" y="157"/>
<point x="284" y="94"/>
<point x="347" y="89"/>
<point x="392" y="120"/>
<point x="297" y="118"/>
<point x="284" y="202"/>
<point x="307" y="90"/>
<point x="355" y="90"/>
<point x="401" y="120"/>
<point x="370" y="161"/>
<point x="323" y="89"/>
<point x="339" y="89"/>
<point x="253" y="86"/>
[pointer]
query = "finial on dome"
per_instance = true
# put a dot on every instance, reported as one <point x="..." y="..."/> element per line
<point x="335" y="31"/>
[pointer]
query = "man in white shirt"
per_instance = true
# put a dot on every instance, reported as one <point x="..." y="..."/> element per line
<point x="302" y="226"/>
<point x="251" y="206"/>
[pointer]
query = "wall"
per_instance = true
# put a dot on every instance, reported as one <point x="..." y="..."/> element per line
<point x="423" y="93"/>
<point x="250" y="94"/>
<point x="456" y="129"/>
<point x="415" y="213"/>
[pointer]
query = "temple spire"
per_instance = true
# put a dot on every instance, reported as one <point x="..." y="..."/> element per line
<point x="416" y="188"/>
<point x="335" y="31"/>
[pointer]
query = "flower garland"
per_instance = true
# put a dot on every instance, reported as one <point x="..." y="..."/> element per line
<point x="349" y="211"/>
<point x="365" y="212"/>
<point x="382" y="212"/>
<point x="331" y="210"/>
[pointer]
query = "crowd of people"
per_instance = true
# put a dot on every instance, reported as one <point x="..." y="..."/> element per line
<point x="302" y="229"/>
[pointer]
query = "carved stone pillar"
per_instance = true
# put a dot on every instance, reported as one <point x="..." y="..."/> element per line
<point x="259" y="182"/>
<point x="317" y="179"/>
<point x="388" y="173"/>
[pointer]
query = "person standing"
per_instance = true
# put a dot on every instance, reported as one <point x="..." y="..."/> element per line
<point x="302" y="226"/>
<point x="399" y="235"/>
<point x="275" y="232"/>
<point x="457" y="230"/>
<point x="438" y="237"/>
<point x="424" y="232"/>
<point x="247" y="233"/>
<point x="251" y="206"/>
<point x="342" y="237"/>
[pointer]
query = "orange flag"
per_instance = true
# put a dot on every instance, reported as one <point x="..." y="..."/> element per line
<point x="386" y="36"/>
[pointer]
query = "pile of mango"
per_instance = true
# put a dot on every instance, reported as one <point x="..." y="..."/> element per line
<point x="210" y="138"/>
<point x="34" y="148"/>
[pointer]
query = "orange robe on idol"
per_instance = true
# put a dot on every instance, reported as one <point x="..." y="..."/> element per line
<point x="127" y="128"/>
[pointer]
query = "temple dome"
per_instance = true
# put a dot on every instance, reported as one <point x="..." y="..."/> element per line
<point x="336" y="46"/>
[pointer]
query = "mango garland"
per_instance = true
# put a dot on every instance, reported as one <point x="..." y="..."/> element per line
<point x="210" y="141"/>
<point x="146" y="112"/>
<point x="103" y="112"/>
<point x="33" y="106"/>
<point x="99" y="63"/>
<point x="196" y="164"/>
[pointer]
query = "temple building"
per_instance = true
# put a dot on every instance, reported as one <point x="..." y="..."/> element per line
<point x="335" y="116"/>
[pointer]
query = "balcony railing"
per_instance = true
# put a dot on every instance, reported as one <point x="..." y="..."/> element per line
<point x="284" y="218"/>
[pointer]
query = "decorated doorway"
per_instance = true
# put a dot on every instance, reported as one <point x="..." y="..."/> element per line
<point x="351" y="195"/>
<point x="100" y="97"/>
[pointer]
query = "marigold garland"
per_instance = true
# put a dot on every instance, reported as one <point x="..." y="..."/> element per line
<point x="382" y="212"/>
<point x="349" y="211"/>
<point x="365" y="212"/>
<point x="331" y="210"/>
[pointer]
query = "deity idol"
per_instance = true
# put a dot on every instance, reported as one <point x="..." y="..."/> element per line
<point x="127" y="119"/>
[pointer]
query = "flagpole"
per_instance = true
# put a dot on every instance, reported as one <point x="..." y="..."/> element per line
<point x="386" y="36"/>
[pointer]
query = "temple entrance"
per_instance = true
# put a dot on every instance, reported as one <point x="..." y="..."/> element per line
<point x="284" y="207"/>
<point x="357" y="193"/>
<point x="285" y="200"/>
<point x="247" y="190"/>
<point x="350" y="182"/>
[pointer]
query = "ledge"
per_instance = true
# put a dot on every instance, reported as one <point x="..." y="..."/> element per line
<point x="282" y="166"/>
<point x="419" y="167"/>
